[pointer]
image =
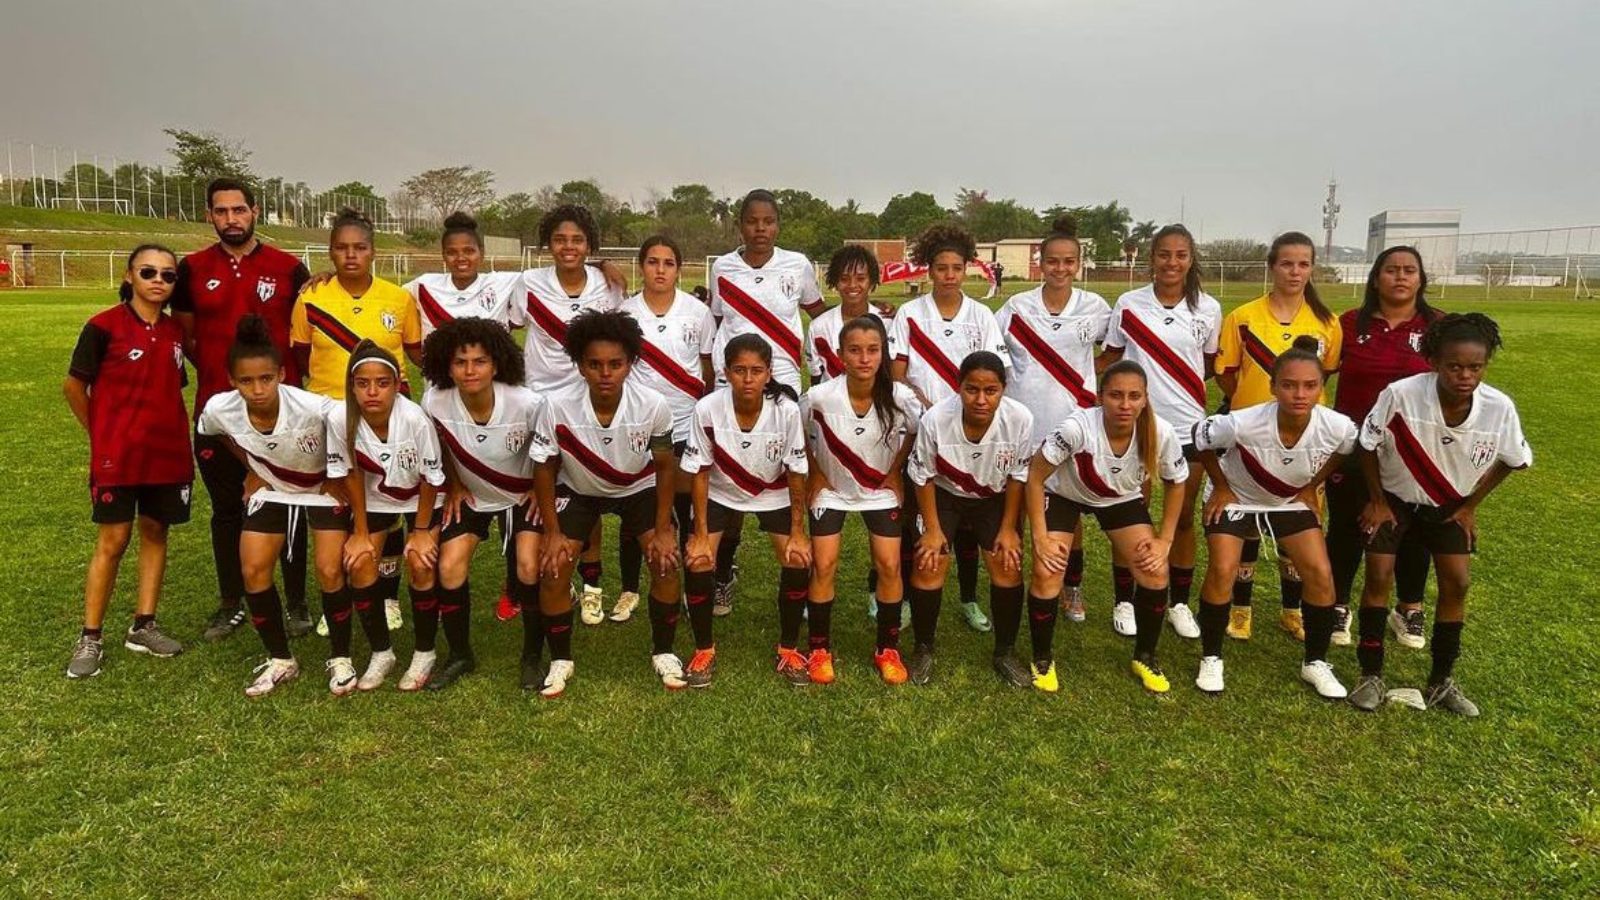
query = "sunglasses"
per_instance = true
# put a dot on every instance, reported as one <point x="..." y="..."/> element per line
<point x="149" y="273"/>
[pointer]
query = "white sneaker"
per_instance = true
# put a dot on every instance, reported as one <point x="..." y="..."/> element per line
<point x="341" y="675"/>
<point x="555" y="680"/>
<point x="627" y="602"/>
<point x="416" y="676"/>
<point x="1181" y="618"/>
<point x="1072" y="603"/>
<point x="1320" y="675"/>
<point x="1341" y="626"/>
<point x="670" y="668"/>
<point x="1408" y="628"/>
<point x="1210" y="677"/>
<point x="591" y="606"/>
<point x="270" y="674"/>
<point x="1122" y="621"/>
<point x="378" y="669"/>
<point x="391" y="614"/>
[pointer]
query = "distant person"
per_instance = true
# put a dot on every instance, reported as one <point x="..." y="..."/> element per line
<point x="999" y="271"/>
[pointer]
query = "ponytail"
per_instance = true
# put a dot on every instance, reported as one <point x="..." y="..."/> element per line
<point x="1304" y="350"/>
<point x="755" y="343"/>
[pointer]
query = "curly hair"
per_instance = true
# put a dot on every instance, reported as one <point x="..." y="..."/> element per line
<point x="852" y="256"/>
<point x="439" y="350"/>
<point x="569" y="212"/>
<point x="1460" y="328"/>
<point x="946" y="237"/>
<point x="603" y="325"/>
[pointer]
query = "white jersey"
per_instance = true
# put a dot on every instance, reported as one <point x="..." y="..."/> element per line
<point x="822" y="350"/>
<point x="616" y="460"/>
<point x="394" y="469"/>
<point x="547" y="310"/>
<point x="1171" y="343"/>
<point x="293" y="457"/>
<point x="943" y="454"/>
<point x="1422" y="460"/>
<point x="669" y="358"/>
<point x="492" y="295"/>
<point x="765" y="301"/>
<point x="853" y="451"/>
<point x="749" y="469"/>
<point x="1052" y="354"/>
<point x="1090" y="473"/>
<point x="933" y="347"/>
<point x="491" y="460"/>
<point x="1265" y="475"/>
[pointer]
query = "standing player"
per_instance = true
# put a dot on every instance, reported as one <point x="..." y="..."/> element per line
<point x="1170" y="328"/>
<point x="1051" y="332"/>
<point x="1433" y="447"/>
<point x="217" y="286"/>
<point x="125" y="387"/>
<point x="853" y="274"/>
<point x="969" y="465"/>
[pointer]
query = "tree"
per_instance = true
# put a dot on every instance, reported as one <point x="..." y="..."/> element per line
<point x="996" y="220"/>
<point x="514" y="215"/>
<point x="906" y="215"/>
<point x="451" y="189"/>
<point x="204" y="155"/>
<point x="354" y="189"/>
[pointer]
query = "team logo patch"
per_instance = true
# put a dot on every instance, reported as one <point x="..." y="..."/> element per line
<point x="1318" y="460"/>
<point x="407" y="458"/>
<point x="266" y="288"/>
<point x="486" y="301"/>
<point x="389" y="321"/>
<point x="177" y="354"/>
<point x="1201" y="329"/>
<point x="1415" y="340"/>
<point x="638" y="440"/>
<point x="1005" y="458"/>
<point x="1482" y="454"/>
<point x="1085" y="331"/>
<point x="308" y="442"/>
<point x="789" y="283"/>
<point x="516" y="439"/>
<point x="691" y="334"/>
<point x="774" y="449"/>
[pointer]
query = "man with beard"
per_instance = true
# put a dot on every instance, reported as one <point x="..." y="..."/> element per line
<point x="216" y="287"/>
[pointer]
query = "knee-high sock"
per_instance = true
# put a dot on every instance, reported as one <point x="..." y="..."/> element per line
<point x="266" y="613"/>
<point x="819" y="625"/>
<point x="1446" y="648"/>
<point x="697" y="590"/>
<point x="792" y="584"/>
<point x="1149" y="606"/>
<point x="455" y="614"/>
<point x="589" y="573"/>
<point x="888" y="625"/>
<point x="394" y="550"/>
<point x="1005" y="609"/>
<point x="1042" y="629"/>
<point x="337" y="609"/>
<point x="527" y="597"/>
<point x="1318" y="621"/>
<point x="727" y="552"/>
<point x="1213" y="626"/>
<point x="1181" y="581"/>
<point x="1074" y="576"/>
<point x="663" y="626"/>
<point x="558" y="634"/>
<point x="966" y="547"/>
<point x="1122" y="584"/>
<point x="425" y="616"/>
<point x="1293" y="592"/>
<point x="1371" y="621"/>
<point x="925" y="604"/>
<point x="369" y="609"/>
<point x="1244" y="583"/>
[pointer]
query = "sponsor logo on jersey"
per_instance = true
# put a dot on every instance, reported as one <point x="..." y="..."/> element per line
<point x="212" y="284"/>
<point x="480" y="437"/>
<point x="135" y="354"/>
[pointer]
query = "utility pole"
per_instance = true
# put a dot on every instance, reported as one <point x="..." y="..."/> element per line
<point x="1330" y="220"/>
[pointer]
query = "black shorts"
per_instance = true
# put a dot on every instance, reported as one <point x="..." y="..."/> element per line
<point x="274" y="518"/>
<point x="1062" y="514"/>
<point x="167" y="504"/>
<point x="880" y="522"/>
<point x="981" y="514"/>
<point x="720" y="518"/>
<point x="578" y="513"/>
<point x="1426" y="525"/>
<point x="477" y="523"/>
<point x="1280" y="523"/>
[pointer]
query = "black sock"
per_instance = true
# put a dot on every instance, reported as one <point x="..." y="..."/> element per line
<point x="1294" y="592"/>
<point x="455" y="614"/>
<point x="1122" y="584"/>
<point x="98" y="633"/>
<point x="792" y="584"/>
<point x="141" y="622"/>
<point x="1244" y="583"/>
<point x="872" y="581"/>
<point x="558" y="634"/>
<point x="369" y="609"/>
<point x="1149" y="605"/>
<point x="966" y="547"/>
<point x="682" y="511"/>
<point x="629" y="557"/>
<point x="697" y="590"/>
<point x="394" y="549"/>
<point x="1005" y="609"/>
<point x="888" y="625"/>
<point x="1318" y="621"/>
<point x="1181" y="581"/>
<point x="527" y="597"/>
<point x="336" y="608"/>
<point x="1446" y="647"/>
<point x="1371" y="620"/>
<point x="1213" y="626"/>
<point x="1042" y="629"/>
<point x="925" y="604"/>
<point x="589" y="573"/>
<point x="727" y="553"/>
<point x="1074" y="576"/>
<point x="266" y="613"/>
<point x="663" y="626"/>
<point x="819" y="625"/>
<point x="511" y="564"/>
<point x="425" y="616"/>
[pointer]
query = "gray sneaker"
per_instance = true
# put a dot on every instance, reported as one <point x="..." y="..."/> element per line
<point x="921" y="668"/>
<point x="1012" y="671"/>
<point x="86" y="655"/>
<point x="722" y="597"/>
<point x="152" y="640"/>
<point x="1369" y="693"/>
<point x="223" y="622"/>
<point x="1447" y="696"/>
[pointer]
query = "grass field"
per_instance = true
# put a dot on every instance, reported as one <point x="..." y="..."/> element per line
<point x="160" y="779"/>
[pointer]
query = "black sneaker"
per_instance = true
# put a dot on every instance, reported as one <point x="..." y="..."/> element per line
<point x="297" y="621"/>
<point x="453" y="671"/>
<point x="223" y="622"/>
<point x="1012" y="671"/>
<point x="920" y="670"/>
<point x="532" y="678"/>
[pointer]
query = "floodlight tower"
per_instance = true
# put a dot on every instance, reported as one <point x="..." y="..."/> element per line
<point x="1330" y="219"/>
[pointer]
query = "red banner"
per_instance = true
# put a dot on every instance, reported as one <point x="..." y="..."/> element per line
<point x="906" y="271"/>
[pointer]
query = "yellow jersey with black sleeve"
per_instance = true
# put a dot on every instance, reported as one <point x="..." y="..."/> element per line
<point x="1252" y="338"/>
<point x="331" y="322"/>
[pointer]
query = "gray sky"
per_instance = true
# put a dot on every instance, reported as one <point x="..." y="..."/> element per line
<point x="1234" y="110"/>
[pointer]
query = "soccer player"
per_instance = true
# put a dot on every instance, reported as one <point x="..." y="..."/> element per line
<point x="484" y="417"/>
<point x="969" y="463"/>
<point x="931" y="336"/>
<point x="747" y="454"/>
<point x="860" y="426"/>
<point x="1433" y="447"/>
<point x="1102" y="460"/>
<point x="1170" y="327"/>
<point x="1382" y="344"/>
<point x="603" y="446"/>
<point x="1252" y="337"/>
<point x="279" y="434"/>
<point x="237" y="275"/>
<point x="853" y="274"/>
<point x="1266" y="462"/>
<point x="125" y="387"/>
<point x="1051" y="332"/>
<point x="386" y="448"/>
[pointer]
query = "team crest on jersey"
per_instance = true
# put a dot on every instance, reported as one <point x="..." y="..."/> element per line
<point x="1201" y="329"/>
<point x="308" y="442"/>
<point x="691" y="334"/>
<point x="389" y="321"/>
<point x="406" y="458"/>
<point x="1482" y="454"/>
<point x="1085" y="331"/>
<point x="1005" y="458"/>
<point x="516" y="439"/>
<point x="1318" y="460"/>
<point x="486" y="300"/>
<point x="266" y="288"/>
<point x="638" y="440"/>
<point x="774" y="449"/>
<point x="788" y="282"/>
<point x="177" y="354"/>
<point x="1415" y="340"/>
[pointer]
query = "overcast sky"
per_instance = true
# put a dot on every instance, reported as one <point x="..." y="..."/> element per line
<point x="1235" y="112"/>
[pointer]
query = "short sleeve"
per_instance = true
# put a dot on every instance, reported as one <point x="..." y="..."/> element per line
<point x="794" y="440"/>
<point x="661" y="420"/>
<point x="898" y="346"/>
<point x="1514" y="449"/>
<point x="1376" y="428"/>
<point x="1019" y="471"/>
<point x="93" y="342"/>
<point x="299" y="278"/>
<point x="697" y="450"/>
<point x="1230" y="349"/>
<point x="1102" y="320"/>
<point x="542" y="436"/>
<point x="910" y="407"/>
<point x="1347" y="432"/>
<point x="182" y="300"/>
<point x="209" y="423"/>
<point x="1333" y="350"/>
<point x="338" y="450"/>
<point x="299" y="325"/>
<point x="428" y="448"/>
<point x="919" y="467"/>
<point x="708" y="328"/>
<point x="1063" y="442"/>
<point x="1214" y="313"/>
<point x="994" y="339"/>
<point x="411" y="326"/>
<point x="810" y="292"/>
<point x="1114" y="339"/>
<point x="1169" y="453"/>
<point x="713" y="280"/>
<point x="1216" y="433"/>
<point x="814" y="362"/>
<point x="516" y="306"/>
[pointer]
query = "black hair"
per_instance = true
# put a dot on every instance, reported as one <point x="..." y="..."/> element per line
<point x="349" y="217"/>
<point x="1371" y="302"/>
<point x="364" y="352"/>
<point x="755" y="343"/>
<point x="660" y="240"/>
<point x="759" y="195"/>
<point x="941" y="238"/>
<point x="1300" y="239"/>
<point x="603" y="325"/>
<point x="253" y="340"/>
<point x="569" y="212"/>
<point x="1064" y="228"/>
<point x="1304" y="349"/>
<point x="1144" y="427"/>
<point x="1191" y="279"/>
<point x="439" y="350"/>
<point x="984" y="360"/>
<point x="852" y="256"/>
<point x="701" y="293"/>
<point x="883" y="401"/>
<point x="1460" y="328"/>
<point x="125" y="291"/>
<point x="461" y="223"/>
<point x="226" y="183"/>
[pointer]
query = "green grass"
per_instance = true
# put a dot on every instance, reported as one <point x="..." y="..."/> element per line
<point x="159" y="778"/>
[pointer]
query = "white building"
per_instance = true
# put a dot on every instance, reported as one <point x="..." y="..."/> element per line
<point x="1433" y="232"/>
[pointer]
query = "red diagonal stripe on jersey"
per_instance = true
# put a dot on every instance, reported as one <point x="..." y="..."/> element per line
<point x="1052" y="361"/>
<point x="506" y="482"/>
<point x="1083" y="462"/>
<point x="668" y="368"/>
<point x="548" y="321"/>
<point x="1264" y="477"/>
<point x="738" y="474"/>
<point x="337" y="331"/>
<point x="291" y="476"/>
<point x="776" y="331"/>
<point x="594" y="462"/>
<point x="961" y="479"/>
<point x="398" y="493"/>
<point x="1257" y="350"/>
<point x="431" y="308"/>
<point x="933" y="356"/>
<point x="859" y="469"/>
<point x="831" y="363"/>
<point x="1421" y="465"/>
<point x="1164" y="356"/>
